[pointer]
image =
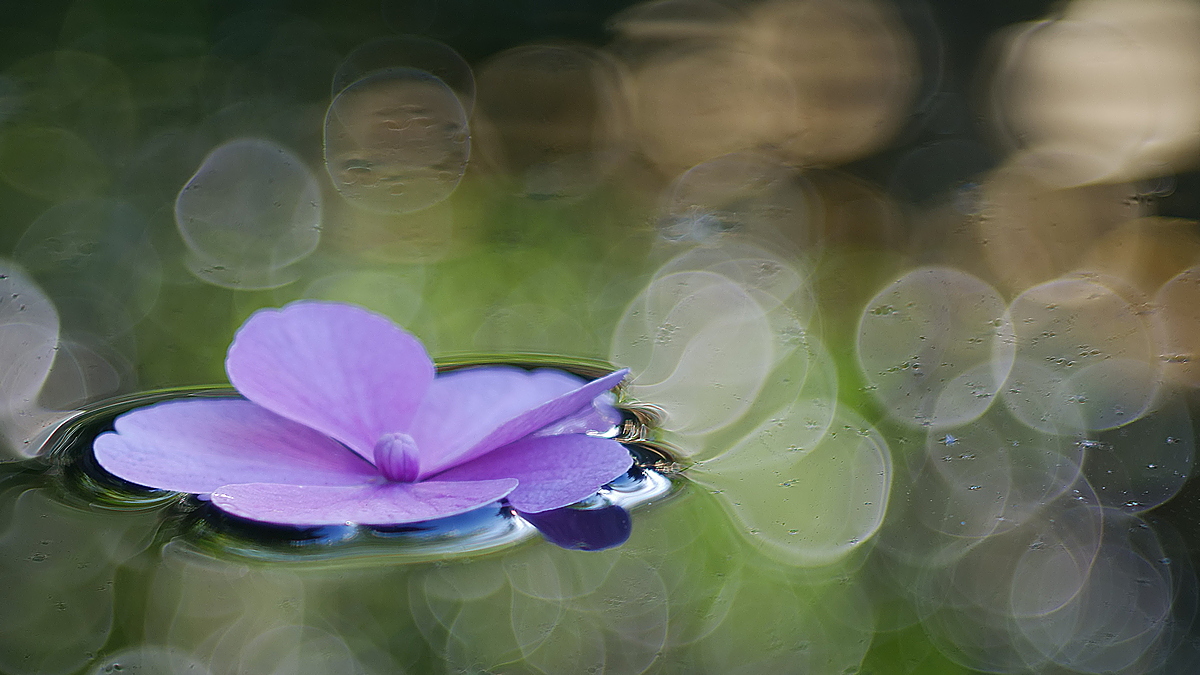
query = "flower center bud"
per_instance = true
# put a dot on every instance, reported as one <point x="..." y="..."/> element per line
<point x="396" y="457"/>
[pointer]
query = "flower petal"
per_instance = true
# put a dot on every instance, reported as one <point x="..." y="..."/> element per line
<point x="553" y="471"/>
<point x="601" y="418"/>
<point x="377" y="504"/>
<point x="198" y="445"/>
<point x="463" y="406"/>
<point x="342" y="370"/>
<point x="584" y="529"/>
<point x="469" y="413"/>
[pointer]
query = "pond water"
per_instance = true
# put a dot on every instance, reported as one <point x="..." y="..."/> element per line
<point x="907" y="291"/>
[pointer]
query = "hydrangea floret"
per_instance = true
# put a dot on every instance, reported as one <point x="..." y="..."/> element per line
<point x="344" y="420"/>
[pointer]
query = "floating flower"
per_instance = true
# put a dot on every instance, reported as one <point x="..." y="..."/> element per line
<point x="344" y="421"/>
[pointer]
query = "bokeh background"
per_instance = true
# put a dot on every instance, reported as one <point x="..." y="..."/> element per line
<point x="911" y="284"/>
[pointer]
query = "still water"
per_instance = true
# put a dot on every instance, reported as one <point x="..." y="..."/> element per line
<point x="907" y="290"/>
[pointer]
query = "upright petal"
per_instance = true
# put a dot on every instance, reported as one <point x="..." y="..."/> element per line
<point x="379" y="504"/>
<point x="199" y="445"/>
<point x="600" y="418"/>
<point x="340" y="369"/>
<point x="472" y="412"/>
<point x="553" y="471"/>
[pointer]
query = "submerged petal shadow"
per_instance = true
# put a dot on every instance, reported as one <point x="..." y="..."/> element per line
<point x="345" y="422"/>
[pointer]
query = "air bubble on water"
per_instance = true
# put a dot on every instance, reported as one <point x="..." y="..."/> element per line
<point x="227" y="215"/>
<point x="941" y="365"/>
<point x="396" y="141"/>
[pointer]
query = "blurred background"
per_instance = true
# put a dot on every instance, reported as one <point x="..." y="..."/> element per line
<point x="914" y="286"/>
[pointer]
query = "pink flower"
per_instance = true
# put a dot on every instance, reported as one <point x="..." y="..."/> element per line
<point x="344" y="421"/>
